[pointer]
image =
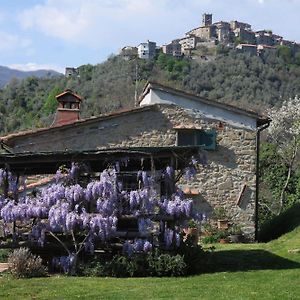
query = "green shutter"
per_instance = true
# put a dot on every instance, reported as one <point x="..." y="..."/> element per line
<point x="207" y="139"/>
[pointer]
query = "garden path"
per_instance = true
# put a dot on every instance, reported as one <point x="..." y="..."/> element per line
<point x="3" y="267"/>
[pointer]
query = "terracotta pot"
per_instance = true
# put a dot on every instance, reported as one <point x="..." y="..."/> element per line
<point x="223" y="241"/>
<point x="223" y="224"/>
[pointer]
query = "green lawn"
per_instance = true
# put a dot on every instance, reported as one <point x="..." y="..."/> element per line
<point x="253" y="271"/>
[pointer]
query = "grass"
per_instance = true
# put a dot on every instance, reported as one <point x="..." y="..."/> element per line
<point x="237" y="271"/>
<point x="240" y="285"/>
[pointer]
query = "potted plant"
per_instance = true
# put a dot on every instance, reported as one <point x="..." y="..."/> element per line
<point x="223" y="236"/>
<point x="192" y="231"/>
<point x="235" y="234"/>
<point x="207" y="229"/>
<point x="219" y="214"/>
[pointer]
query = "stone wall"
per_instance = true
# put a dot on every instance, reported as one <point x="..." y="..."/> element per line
<point x="205" y="33"/>
<point x="231" y="166"/>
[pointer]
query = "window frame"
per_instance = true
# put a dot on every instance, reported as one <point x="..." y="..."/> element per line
<point x="197" y="135"/>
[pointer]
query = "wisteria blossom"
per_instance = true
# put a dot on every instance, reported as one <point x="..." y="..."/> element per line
<point x="88" y="215"/>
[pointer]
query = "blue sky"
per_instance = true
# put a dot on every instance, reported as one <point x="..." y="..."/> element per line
<point x="58" y="33"/>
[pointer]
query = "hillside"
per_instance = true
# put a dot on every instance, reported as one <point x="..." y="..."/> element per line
<point x="6" y="74"/>
<point x="242" y="80"/>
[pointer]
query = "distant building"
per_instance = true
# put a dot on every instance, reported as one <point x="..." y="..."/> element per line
<point x="261" y="49"/>
<point x="146" y="50"/>
<point x="206" y="32"/>
<point x="70" y="72"/>
<point x="173" y="48"/>
<point x="247" y="48"/>
<point x="206" y="19"/>
<point x="235" y="25"/>
<point x="188" y="42"/>
<point x="264" y="37"/>
<point x="223" y="32"/>
<point x="246" y="36"/>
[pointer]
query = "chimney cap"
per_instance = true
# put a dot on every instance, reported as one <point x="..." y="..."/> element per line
<point x="68" y="92"/>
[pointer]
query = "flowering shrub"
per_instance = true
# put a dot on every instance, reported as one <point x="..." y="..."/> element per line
<point x="80" y="218"/>
<point x="23" y="264"/>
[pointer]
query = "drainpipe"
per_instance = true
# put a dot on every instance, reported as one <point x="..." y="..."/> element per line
<point x="263" y="127"/>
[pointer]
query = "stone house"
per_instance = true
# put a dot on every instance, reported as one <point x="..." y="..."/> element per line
<point x="204" y="33"/>
<point x="247" y="48"/>
<point x="168" y="126"/>
<point x="173" y="48"/>
<point x="188" y="43"/>
<point x="244" y="35"/>
<point x="223" y="31"/>
<point x="264" y="37"/>
<point x="236" y="24"/>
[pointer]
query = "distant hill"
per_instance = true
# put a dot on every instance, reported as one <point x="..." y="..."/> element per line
<point x="6" y="74"/>
<point x="239" y="79"/>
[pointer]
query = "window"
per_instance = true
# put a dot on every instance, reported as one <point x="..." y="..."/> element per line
<point x="192" y="137"/>
<point x="129" y="180"/>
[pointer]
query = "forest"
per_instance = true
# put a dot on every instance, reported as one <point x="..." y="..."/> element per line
<point x="239" y="79"/>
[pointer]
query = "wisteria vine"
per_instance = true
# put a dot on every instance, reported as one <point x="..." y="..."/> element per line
<point x="89" y="214"/>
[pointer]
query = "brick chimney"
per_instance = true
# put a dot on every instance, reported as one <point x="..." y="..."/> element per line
<point x="68" y="110"/>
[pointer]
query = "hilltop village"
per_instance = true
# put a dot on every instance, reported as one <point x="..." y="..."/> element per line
<point x="231" y="34"/>
<point x="234" y="35"/>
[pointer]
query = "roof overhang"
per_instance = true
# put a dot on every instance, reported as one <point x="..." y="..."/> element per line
<point x="138" y="158"/>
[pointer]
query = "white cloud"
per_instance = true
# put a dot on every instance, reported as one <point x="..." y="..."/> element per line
<point x="34" y="66"/>
<point x="94" y="23"/>
<point x="11" y="42"/>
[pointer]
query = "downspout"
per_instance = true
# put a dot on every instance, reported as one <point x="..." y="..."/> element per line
<point x="263" y="127"/>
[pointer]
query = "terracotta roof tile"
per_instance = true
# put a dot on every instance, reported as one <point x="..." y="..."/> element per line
<point x="68" y="92"/>
<point x="12" y="136"/>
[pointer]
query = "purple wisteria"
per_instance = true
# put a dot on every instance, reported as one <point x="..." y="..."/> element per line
<point x="87" y="215"/>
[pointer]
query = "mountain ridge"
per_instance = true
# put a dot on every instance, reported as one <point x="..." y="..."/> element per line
<point x="6" y="74"/>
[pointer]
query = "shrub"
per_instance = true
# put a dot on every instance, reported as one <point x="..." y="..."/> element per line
<point x="193" y="255"/>
<point x="211" y="239"/>
<point x="4" y="253"/>
<point x="166" y="264"/>
<point x="23" y="264"/>
<point x="152" y="264"/>
<point x="120" y="266"/>
<point x="91" y="269"/>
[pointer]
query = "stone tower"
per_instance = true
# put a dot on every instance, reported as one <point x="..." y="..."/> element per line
<point x="206" y="19"/>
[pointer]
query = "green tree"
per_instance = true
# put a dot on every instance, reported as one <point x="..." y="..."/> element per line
<point x="50" y="104"/>
<point x="285" y="53"/>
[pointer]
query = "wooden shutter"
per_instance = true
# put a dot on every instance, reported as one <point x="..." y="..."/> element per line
<point x="207" y="139"/>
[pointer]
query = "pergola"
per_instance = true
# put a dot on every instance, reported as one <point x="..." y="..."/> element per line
<point x="146" y="158"/>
